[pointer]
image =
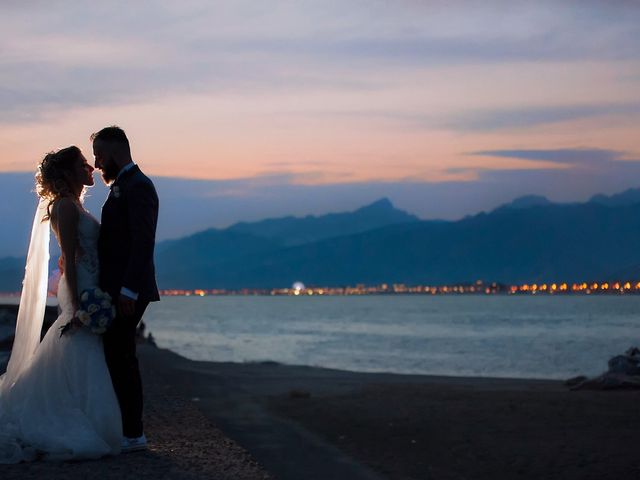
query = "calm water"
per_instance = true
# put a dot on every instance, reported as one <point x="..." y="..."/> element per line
<point x="530" y="337"/>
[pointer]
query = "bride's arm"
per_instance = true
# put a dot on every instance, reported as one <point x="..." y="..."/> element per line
<point x="67" y="226"/>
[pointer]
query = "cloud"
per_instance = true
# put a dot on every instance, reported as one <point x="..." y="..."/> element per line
<point x="82" y="54"/>
<point x="487" y="120"/>
<point x="567" y="156"/>
<point x="588" y="171"/>
<point x="525" y="117"/>
<point x="419" y="50"/>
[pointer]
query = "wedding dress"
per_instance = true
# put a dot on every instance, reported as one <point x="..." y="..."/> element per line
<point x="56" y="400"/>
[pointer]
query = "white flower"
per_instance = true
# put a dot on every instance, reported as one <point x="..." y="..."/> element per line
<point x="102" y="321"/>
<point x="105" y="303"/>
<point x="116" y="191"/>
<point x="93" y="308"/>
<point x="84" y="297"/>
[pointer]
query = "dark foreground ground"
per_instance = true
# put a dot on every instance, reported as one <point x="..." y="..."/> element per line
<point x="310" y="423"/>
<point x="184" y="444"/>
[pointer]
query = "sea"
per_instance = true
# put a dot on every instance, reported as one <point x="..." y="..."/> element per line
<point x="538" y="336"/>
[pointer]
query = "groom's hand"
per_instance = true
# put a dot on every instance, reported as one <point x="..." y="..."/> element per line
<point x="126" y="305"/>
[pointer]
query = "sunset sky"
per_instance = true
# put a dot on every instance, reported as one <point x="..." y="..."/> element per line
<point x="447" y="108"/>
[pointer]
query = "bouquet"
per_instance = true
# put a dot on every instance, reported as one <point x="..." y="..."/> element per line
<point x="96" y="311"/>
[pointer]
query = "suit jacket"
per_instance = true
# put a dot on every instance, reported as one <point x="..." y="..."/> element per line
<point x="127" y="237"/>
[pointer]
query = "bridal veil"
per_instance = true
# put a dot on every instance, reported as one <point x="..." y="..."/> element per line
<point x="33" y="300"/>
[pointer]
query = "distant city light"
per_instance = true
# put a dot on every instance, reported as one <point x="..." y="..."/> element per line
<point x="476" y="288"/>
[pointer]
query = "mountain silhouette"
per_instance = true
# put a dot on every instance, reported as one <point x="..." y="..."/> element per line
<point x="290" y="231"/>
<point x="190" y="261"/>
<point x="628" y="197"/>
<point x="543" y="242"/>
<point x="196" y="259"/>
<point x="527" y="240"/>
<point x="526" y="201"/>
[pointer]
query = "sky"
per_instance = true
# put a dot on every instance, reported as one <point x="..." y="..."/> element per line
<point x="252" y="109"/>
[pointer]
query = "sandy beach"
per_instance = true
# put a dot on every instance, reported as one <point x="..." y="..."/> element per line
<point x="268" y="420"/>
<point x="303" y="422"/>
<point x="184" y="444"/>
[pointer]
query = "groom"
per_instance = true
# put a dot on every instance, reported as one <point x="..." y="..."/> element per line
<point x="127" y="273"/>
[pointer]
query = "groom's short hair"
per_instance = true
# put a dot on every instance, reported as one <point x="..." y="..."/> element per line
<point x="112" y="134"/>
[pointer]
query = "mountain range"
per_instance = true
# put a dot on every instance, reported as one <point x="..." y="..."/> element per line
<point x="528" y="240"/>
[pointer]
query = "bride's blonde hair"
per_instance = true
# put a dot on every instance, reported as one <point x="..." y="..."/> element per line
<point x="52" y="177"/>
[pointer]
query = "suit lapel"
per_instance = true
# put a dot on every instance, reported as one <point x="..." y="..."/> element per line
<point x="127" y="174"/>
<point x="115" y="190"/>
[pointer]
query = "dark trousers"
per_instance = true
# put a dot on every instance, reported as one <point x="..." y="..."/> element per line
<point x="120" y="353"/>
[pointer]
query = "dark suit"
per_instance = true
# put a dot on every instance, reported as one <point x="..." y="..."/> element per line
<point x="125" y="247"/>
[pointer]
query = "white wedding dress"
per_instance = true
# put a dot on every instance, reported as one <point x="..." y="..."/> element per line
<point x="62" y="404"/>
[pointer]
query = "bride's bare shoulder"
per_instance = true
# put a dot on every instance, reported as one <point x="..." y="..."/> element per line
<point x="63" y="211"/>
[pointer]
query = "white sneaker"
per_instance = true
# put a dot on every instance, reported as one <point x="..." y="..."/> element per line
<point x="135" y="444"/>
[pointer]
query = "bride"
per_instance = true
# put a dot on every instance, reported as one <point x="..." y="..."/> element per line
<point x="56" y="398"/>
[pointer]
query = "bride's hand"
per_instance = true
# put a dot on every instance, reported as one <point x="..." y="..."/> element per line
<point x="76" y="324"/>
<point x="71" y="327"/>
